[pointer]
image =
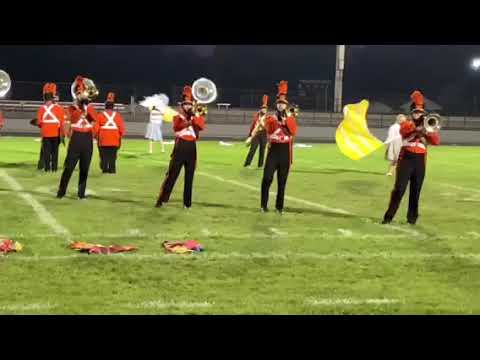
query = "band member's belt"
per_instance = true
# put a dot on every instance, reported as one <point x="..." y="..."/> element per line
<point x="186" y="132"/>
<point x="415" y="144"/>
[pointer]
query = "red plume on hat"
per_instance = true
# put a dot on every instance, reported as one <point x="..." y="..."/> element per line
<point x="265" y="101"/>
<point x="50" y="88"/>
<point x="110" y="97"/>
<point x="187" y="96"/>
<point x="282" y="91"/>
<point x="418" y="101"/>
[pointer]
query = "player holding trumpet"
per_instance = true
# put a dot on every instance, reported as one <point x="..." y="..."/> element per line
<point x="257" y="137"/>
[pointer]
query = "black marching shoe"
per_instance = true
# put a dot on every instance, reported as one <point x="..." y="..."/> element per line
<point x="60" y="195"/>
<point x="386" y="222"/>
<point x="158" y="204"/>
<point x="264" y="209"/>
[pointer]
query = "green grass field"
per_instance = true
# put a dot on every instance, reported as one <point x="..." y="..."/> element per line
<point x="327" y="254"/>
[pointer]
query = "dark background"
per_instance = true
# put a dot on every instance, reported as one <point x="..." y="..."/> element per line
<point x="386" y="73"/>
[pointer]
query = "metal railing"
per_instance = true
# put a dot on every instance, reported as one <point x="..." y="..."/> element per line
<point x="136" y="113"/>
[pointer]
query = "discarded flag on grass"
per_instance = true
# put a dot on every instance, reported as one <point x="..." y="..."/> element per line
<point x="7" y="246"/>
<point x="100" y="249"/>
<point x="182" y="247"/>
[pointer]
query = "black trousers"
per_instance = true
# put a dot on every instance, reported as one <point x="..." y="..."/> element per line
<point x="50" y="153"/>
<point x="259" y="140"/>
<point x="410" y="168"/>
<point x="80" y="150"/>
<point x="41" y="160"/>
<point x="278" y="160"/>
<point x="108" y="158"/>
<point x="184" y="155"/>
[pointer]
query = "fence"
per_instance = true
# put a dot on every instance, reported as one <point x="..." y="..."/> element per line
<point x="136" y="113"/>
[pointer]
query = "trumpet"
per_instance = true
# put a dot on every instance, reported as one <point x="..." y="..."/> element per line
<point x="259" y="127"/>
<point x="200" y="109"/>
<point x="432" y="123"/>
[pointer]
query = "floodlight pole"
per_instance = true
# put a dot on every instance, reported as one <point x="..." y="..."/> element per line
<point x="339" y="67"/>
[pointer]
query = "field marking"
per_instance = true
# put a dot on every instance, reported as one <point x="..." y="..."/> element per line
<point x="345" y="233"/>
<point x="159" y="304"/>
<point x="401" y="229"/>
<point x="278" y="232"/>
<point x="43" y="214"/>
<point x="461" y="188"/>
<point x="24" y="307"/>
<point x="137" y="234"/>
<point x="252" y="256"/>
<point x="115" y="190"/>
<point x="306" y="202"/>
<point x="291" y="198"/>
<point x="350" y="301"/>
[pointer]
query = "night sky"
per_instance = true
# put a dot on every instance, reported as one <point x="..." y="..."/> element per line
<point x="379" y="72"/>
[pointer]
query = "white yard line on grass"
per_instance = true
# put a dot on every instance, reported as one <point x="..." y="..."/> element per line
<point x="291" y="198"/>
<point x="346" y="233"/>
<point x="26" y="307"/>
<point x="404" y="230"/>
<point x="256" y="189"/>
<point x="274" y="233"/>
<point x="350" y="301"/>
<point x="278" y="232"/>
<point x="159" y="304"/>
<point x="461" y="188"/>
<point x="252" y="256"/>
<point x="44" y="215"/>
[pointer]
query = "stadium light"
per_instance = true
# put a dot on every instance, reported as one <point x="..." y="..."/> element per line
<point x="475" y="64"/>
<point x="339" y="67"/>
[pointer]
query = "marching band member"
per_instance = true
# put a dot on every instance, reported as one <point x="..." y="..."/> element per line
<point x="412" y="160"/>
<point x="50" y="119"/>
<point x="281" y="129"/>
<point x="80" y="117"/>
<point x="109" y="130"/>
<point x="154" y="129"/>
<point x="257" y="135"/>
<point x="394" y="144"/>
<point x="187" y="126"/>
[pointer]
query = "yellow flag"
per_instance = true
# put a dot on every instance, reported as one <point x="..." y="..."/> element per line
<point x="353" y="137"/>
<point x="169" y="114"/>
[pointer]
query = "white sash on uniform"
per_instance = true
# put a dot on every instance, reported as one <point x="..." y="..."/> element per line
<point x="110" y="124"/>
<point x="48" y="112"/>
<point x="83" y="122"/>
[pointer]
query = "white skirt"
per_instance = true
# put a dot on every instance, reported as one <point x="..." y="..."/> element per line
<point x="393" y="150"/>
<point x="154" y="131"/>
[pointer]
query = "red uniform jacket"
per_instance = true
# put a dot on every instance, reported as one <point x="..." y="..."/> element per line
<point x="1" y="120"/>
<point x="81" y="120"/>
<point x="256" y="119"/>
<point x="188" y="130"/>
<point x="109" y="128"/>
<point x="412" y="142"/>
<point x="51" y="118"/>
<point x="279" y="133"/>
